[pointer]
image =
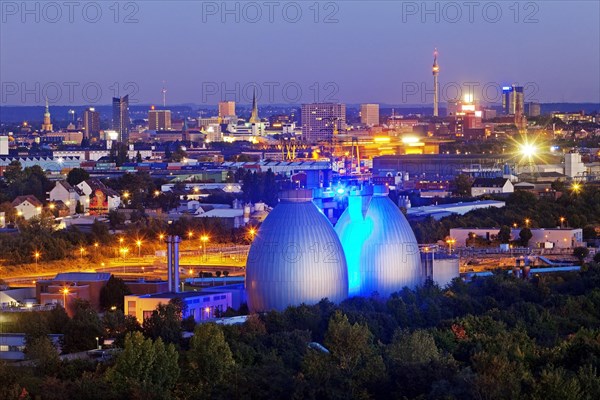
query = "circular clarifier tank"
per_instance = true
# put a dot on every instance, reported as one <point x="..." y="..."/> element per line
<point x="381" y="249"/>
<point x="296" y="257"/>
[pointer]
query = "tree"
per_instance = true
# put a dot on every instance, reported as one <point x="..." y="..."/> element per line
<point x="504" y="234"/>
<point x="165" y="322"/>
<point x="145" y="367"/>
<point x="77" y="175"/>
<point x="44" y="354"/>
<point x="525" y="235"/>
<point x="13" y="172"/>
<point x="581" y="253"/>
<point x="417" y="347"/>
<point x="462" y="185"/>
<point x="209" y="359"/>
<point x="112" y="295"/>
<point x="138" y="157"/>
<point x="81" y="331"/>
<point x="597" y="257"/>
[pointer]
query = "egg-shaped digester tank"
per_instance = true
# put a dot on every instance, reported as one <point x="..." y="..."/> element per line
<point x="296" y="257"/>
<point x="381" y="249"/>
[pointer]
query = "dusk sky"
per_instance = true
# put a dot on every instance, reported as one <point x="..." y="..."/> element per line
<point x="377" y="51"/>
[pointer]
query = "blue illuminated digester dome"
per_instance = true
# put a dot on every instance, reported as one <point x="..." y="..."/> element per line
<point x="295" y="258"/>
<point x="381" y="249"/>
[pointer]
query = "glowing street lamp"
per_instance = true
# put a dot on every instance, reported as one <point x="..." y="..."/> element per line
<point x="65" y="292"/>
<point x="562" y="222"/>
<point x="450" y="242"/>
<point x="37" y="256"/>
<point x="576" y="187"/>
<point x="527" y="221"/>
<point x="81" y="251"/>
<point x="190" y="234"/>
<point x="138" y="243"/>
<point x="252" y="233"/>
<point x="96" y="244"/>
<point x="161" y="236"/>
<point x="204" y="239"/>
<point x="156" y="193"/>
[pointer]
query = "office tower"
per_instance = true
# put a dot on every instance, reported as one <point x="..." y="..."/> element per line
<point x="453" y="107"/>
<point x="321" y="121"/>
<point x="436" y="89"/>
<point x="369" y="114"/>
<point x="91" y="123"/>
<point x="513" y="100"/>
<point x="120" y="121"/>
<point x="534" y="110"/>
<point x="226" y="108"/>
<point x="47" y="125"/>
<point x="159" y="120"/>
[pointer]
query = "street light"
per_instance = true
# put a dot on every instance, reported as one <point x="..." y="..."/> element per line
<point x="527" y="221"/>
<point x="37" y="255"/>
<point x="81" y="251"/>
<point x="65" y="292"/>
<point x="576" y="187"/>
<point x="139" y="245"/>
<point x="190" y="234"/>
<point x="97" y="343"/>
<point x="96" y="244"/>
<point x="562" y="222"/>
<point x="204" y="239"/>
<point x="450" y="242"/>
<point x="161" y="236"/>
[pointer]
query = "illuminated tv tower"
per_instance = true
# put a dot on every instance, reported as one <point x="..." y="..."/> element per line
<point x="164" y="94"/>
<point x="436" y="89"/>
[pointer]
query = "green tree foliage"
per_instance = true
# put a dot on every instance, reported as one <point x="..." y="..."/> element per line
<point x="44" y="355"/>
<point x="462" y="185"/>
<point x="146" y="368"/>
<point x="112" y="295"/>
<point x="77" y="175"/>
<point x="165" y="322"/>
<point x="525" y="236"/>
<point x="409" y="348"/>
<point x="209" y="359"/>
<point x="581" y="253"/>
<point x="504" y="234"/>
<point x="81" y="331"/>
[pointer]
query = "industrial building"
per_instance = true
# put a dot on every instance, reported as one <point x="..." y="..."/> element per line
<point x="298" y="257"/>
<point x="560" y="238"/>
<point x="380" y="247"/>
<point x="295" y="258"/>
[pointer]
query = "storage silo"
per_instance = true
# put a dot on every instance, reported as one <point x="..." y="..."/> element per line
<point x="381" y="250"/>
<point x="296" y="257"/>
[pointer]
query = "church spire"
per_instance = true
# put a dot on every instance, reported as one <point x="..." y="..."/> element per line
<point x="47" y="125"/>
<point x="254" y="119"/>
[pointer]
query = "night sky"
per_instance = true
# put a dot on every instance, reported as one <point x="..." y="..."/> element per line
<point x="358" y="51"/>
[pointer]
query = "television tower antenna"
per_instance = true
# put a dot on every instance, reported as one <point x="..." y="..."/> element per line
<point x="164" y="94"/>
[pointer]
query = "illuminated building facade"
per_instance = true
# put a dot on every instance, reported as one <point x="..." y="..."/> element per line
<point x="120" y="118"/>
<point x="91" y="123"/>
<point x="226" y="109"/>
<point x="321" y="121"/>
<point x="159" y="120"/>
<point x="513" y="100"/>
<point x="369" y="114"/>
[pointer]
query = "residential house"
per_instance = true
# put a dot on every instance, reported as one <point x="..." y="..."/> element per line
<point x="67" y="194"/>
<point x="27" y="206"/>
<point x="482" y="186"/>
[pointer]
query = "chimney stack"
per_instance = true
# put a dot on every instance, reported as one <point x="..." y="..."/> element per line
<point x="173" y="263"/>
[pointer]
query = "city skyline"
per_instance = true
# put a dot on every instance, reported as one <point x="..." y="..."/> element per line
<point x="379" y="63"/>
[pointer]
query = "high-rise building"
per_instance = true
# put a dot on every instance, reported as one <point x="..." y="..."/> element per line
<point x="321" y="121"/>
<point x="91" y="123"/>
<point x="436" y="89"/>
<point x="534" y="110"/>
<point x="226" y="109"/>
<point x="369" y="114"/>
<point x="453" y="107"/>
<point x="120" y="120"/>
<point x="47" y="125"/>
<point x="159" y="120"/>
<point x="513" y="100"/>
